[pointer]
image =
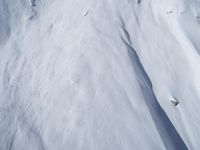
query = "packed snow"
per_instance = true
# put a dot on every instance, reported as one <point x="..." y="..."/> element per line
<point x="99" y="74"/>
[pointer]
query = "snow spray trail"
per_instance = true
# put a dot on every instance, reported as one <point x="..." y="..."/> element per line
<point x="170" y="137"/>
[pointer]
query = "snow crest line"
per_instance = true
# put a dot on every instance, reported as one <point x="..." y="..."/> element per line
<point x="162" y="122"/>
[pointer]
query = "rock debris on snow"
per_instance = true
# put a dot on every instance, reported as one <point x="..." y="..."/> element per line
<point x="174" y="102"/>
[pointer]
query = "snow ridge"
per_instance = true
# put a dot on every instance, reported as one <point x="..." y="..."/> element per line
<point x="95" y="75"/>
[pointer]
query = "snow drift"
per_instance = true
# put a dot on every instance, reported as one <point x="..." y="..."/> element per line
<point x="99" y="74"/>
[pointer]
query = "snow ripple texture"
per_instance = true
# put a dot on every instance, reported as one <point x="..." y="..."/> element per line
<point x="99" y="74"/>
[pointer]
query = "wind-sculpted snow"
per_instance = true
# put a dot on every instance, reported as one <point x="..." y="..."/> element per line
<point x="99" y="75"/>
<point x="168" y="133"/>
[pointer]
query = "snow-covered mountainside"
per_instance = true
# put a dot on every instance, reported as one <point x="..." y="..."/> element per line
<point x="99" y="74"/>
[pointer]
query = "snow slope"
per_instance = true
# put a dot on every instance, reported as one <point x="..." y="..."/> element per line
<point x="99" y="74"/>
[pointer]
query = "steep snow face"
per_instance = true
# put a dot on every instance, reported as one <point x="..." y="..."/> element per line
<point x="99" y="74"/>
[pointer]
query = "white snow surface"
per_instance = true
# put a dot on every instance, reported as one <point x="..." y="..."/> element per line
<point x="99" y="74"/>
